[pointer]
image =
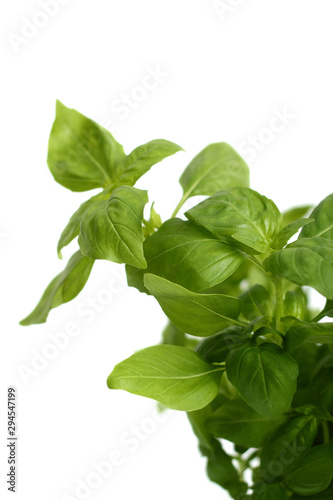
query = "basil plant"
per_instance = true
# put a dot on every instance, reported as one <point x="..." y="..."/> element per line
<point x="243" y="353"/>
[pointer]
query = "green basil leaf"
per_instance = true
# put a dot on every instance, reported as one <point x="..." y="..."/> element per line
<point x="154" y="222"/>
<point x="324" y="495"/>
<point x="303" y="333"/>
<point x="294" y="303"/>
<point x="187" y="255"/>
<point x="171" y="335"/>
<point x="308" y="261"/>
<point x="288" y="231"/>
<point x="323" y="388"/>
<point x="322" y="225"/>
<point x="256" y="302"/>
<point x="216" y="167"/>
<point x="239" y="423"/>
<point x="221" y="470"/>
<point x="241" y="214"/>
<point x="265" y="377"/>
<point x="173" y="375"/>
<point x="82" y="155"/>
<point x="217" y="347"/>
<point x="266" y="491"/>
<point x="294" y="214"/>
<point x="63" y="288"/>
<point x="313" y="472"/>
<point x="142" y="158"/>
<point x="194" y="313"/>
<point x="113" y="230"/>
<point x="219" y="466"/>
<point x="72" y="229"/>
<point x="292" y="439"/>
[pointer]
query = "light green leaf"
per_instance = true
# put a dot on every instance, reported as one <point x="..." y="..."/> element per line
<point x="256" y="302"/>
<point x="216" y="167"/>
<point x="289" y="442"/>
<point x="294" y="214"/>
<point x="288" y="231"/>
<point x="308" y="261"/>
<point x="239" y="423"/>
<point x="113" y="229"/>
<point x="241" y="214"/>
<point x="82" y="155"/>
<point x="187" y="255"/>
<point x="322" y="225"/>
<point x="193" y="313"/>
<point x="265" y="377"/>
<point x="305" y="333"/>
<point x="313" y="471"/>
<point x="173" y="375"/>
<point x="142" y="158"/>
<point x="63" y="288"/>
<point x="72" y="229"/>
<point x="294" y="303"/>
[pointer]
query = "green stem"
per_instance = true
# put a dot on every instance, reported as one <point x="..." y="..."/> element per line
<point x="179" y="206"/>
<point x="326" y="431"/>
<point x="278" y="303"/>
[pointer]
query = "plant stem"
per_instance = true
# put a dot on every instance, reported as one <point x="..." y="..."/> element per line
<point x="179" y="206"/>
<point x="326" y="431"/>
<point x="278" y="303"/>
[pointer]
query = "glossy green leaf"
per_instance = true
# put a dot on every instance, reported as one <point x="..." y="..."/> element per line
<point x="302" y="333"/>
<point x="266" y="491"/>
<point x="113" y="229"/>
<point x="82" y="155"/>
<point x="217" y="347"/>
<point x="142" y="158"/>
<point x="173" y="375"/>
<point x="216" y="167"/>
<point x="194" y="313"/>
<point x="243" y="215"/>
<point x="313" y="471"/>
<point x="187" y="255"/>
<point x="63" y="288"/>
<point x="292" y="439"/>
<point x="308" y="261"/>
<point x="322" y="225"/>
<point x="288" y="231"/>
<point x="256" y="302"/>
<point x="294" y="303"/>
<point x="265" y="376"/>
<point x="72" y="229"/>
<point x="239" y="423"/>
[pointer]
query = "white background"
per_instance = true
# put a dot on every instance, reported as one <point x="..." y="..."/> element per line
<point x="226" y="73"/>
